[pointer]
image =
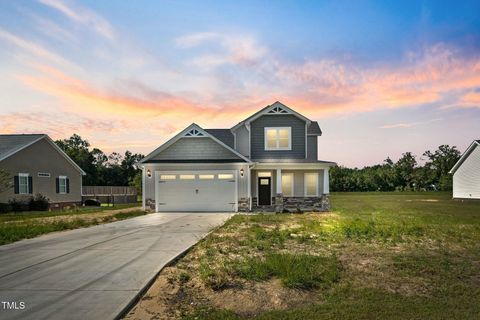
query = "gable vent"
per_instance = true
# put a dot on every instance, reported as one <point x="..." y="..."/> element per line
<point x="278" y="110"/>
<point x="194" y="133"/>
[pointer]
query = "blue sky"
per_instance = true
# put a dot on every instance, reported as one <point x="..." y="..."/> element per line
<point x="381" y="77"/>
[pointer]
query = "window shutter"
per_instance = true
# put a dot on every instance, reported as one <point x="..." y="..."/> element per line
<point x="57" y="184"/>
<point x="68" y="185"/>
<point x="30" y="185"/>
<point x="16" y="185"/>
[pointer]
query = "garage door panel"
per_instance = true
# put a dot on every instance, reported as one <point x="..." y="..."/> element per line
<point x="196" y="195"/>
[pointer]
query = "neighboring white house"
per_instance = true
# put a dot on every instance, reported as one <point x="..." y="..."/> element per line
<point x="466" y="173"/>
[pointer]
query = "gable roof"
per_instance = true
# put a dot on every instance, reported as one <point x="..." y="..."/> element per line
<point x="186" y="133"/>
<point x="224" y="135"/>
<point x="314" y="129"/>
<point x="269" y="108"/>
<point x="465" y="155"/>
<point x="11" y="144"/>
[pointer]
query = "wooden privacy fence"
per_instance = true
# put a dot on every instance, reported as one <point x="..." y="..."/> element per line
<point x="107" y="194"/>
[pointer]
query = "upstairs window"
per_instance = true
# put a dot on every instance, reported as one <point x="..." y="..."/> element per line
<point x="278" y="138"/>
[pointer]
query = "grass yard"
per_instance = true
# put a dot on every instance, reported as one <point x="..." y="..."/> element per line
<point x="375" y="256"/>
<point x="23" y="225"/>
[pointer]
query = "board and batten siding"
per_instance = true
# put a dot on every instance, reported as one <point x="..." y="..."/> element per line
<point x="195" y="149"/>
<point x="258" y="126"/>
<point x="466" y="180"/>
<point x="312" y="148"/>
<point x="242" y="142"/>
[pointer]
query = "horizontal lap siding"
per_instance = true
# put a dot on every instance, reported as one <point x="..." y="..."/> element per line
<point x="43" y="157"/>
<point x="312" y="148"/>
<point x="466" y="180"/>
<point x="195" y="149"/>
<point x="258" y="137"/>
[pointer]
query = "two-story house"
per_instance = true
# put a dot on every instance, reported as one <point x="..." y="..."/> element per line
<point x="268" y="161"/>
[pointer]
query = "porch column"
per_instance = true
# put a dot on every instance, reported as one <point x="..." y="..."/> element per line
<point x="326" y="183"/>
<point x="279" y="181"/>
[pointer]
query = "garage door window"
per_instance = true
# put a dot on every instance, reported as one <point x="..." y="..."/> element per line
<point x="168" y="177"/>
<point x="187" y="177"/>
<point x="225" y="176"/>
<point x="206" y="176"/>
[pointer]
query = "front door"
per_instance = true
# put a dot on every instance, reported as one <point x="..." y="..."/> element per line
<point x="264" y="191"/>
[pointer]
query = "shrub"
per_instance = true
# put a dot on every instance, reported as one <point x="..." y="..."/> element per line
<point x="39" y="203"/>
<point x="5" y="208"/>
<point x="19" y="205"/>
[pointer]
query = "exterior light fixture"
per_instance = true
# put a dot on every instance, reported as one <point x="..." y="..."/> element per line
<point x="241" y="172"/>
<point x="149" y="173"/>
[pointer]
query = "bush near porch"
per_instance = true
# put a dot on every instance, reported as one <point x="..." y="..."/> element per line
<point x="374" y="256"/>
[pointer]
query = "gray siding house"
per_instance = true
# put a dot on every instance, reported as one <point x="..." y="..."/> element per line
<point x="466" y="173"/>
<point x="37" y="165"/>
<point x="268" y="161"/>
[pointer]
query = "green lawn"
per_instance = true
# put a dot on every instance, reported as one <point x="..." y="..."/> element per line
<point x="22" y="225"/>
<point x="375" y="256"/>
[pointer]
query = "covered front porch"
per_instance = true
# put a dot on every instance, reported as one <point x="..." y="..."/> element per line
<point x="290" y="187"/>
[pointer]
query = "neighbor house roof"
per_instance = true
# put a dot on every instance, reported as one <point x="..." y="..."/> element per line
<point x="465" y="155"/>
<point x="10" y="144"/>
<point x="224" y="135"/>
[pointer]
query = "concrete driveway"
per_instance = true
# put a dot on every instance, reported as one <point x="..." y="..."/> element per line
<point x="94" y="273"/>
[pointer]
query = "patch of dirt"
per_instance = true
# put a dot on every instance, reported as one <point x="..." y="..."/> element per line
<point x="169" y="298"/>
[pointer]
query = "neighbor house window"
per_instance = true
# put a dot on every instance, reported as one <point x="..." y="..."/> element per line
<point x="311" y="184"/>
<point x="44" y="175"/>
<point x="62" y="184"/>
<point x="187" y="177"/>
<point x="287" y="184"/>
<point x="23" y="183"/>
<point x="225" y="176"/>
<point x="278" y="138"/>
<point x="206" y="176"/>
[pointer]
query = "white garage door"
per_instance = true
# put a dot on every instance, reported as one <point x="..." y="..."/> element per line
<point x="196" y="191"/>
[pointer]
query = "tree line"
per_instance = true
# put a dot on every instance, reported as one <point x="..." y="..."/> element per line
<point x="403" y="175"/>
<point x="101" y="169"/>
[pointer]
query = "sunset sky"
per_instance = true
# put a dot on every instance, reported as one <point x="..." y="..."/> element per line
<point x="381" y="77"/>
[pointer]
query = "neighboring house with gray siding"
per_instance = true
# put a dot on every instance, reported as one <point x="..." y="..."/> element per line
<point x="268" y="161"/>
<point x="466" y="173"/>
<point x="37" y="165"/>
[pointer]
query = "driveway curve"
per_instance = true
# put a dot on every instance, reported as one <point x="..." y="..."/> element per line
<point x="96" y="272"/>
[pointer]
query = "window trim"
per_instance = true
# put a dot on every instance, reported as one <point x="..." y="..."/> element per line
<point x="292" y="184"/>
<point x="305" y="184"/>
<point x="278" y="148"/>
<point x="60" y="178"/>
<point x="23" y="175"/>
